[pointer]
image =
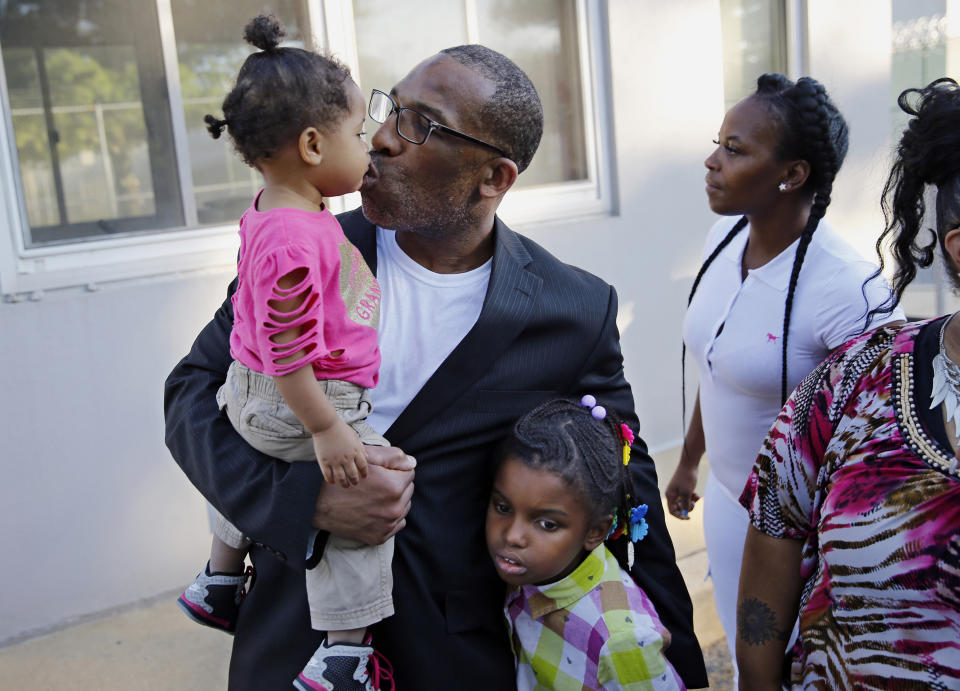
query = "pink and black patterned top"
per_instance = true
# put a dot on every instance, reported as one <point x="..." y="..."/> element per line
<point x="341" y="309"/>
<point x="858" y="468"/>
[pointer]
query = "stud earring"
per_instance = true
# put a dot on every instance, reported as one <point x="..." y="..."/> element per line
<point x="782" y="187"/>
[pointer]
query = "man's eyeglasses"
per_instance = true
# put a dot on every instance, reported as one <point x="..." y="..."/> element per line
<point x="413" y="125"/>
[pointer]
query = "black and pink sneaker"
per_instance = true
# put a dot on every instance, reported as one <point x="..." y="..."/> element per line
<point x="213" y="599"/>
<point x="345" y="667"/>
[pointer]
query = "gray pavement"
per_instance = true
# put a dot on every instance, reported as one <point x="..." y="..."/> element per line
<point x="153" y="646"/>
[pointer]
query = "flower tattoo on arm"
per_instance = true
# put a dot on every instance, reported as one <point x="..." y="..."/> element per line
<point x="757" y="624"/>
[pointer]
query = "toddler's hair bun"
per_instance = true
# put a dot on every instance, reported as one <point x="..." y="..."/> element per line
<point x="264" y="32"/>
<point x="214" y="126"/>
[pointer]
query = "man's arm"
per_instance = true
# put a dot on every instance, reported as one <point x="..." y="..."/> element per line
<point x="279" y="505"/>
<point x="655" y="565"/>
<point x="268" y="500"/>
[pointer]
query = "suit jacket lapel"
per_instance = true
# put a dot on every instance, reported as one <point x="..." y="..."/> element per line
<point x="506" y="309"/>
<point x="363" y="234"/>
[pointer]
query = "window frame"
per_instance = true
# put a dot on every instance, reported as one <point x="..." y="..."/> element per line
<point x="27" y="272"/>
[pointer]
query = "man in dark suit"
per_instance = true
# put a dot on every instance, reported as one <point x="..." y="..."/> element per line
<point x="457" y="132"/>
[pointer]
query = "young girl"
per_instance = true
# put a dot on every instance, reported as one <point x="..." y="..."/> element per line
<point x="304" y="338"/>
<point x="577" y="619"/>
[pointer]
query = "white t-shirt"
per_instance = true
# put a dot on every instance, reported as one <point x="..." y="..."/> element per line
<point x="423" y="317"/>
<point x="733" y="331"/>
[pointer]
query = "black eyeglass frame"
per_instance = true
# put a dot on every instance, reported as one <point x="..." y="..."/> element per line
<point x="433" y="124"/>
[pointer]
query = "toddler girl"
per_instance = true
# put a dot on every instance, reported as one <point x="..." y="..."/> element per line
<point x="577" y="619"/>
<point x="304" y="338"/>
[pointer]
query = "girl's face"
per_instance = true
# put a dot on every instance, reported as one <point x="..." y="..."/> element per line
<point x="743" y="172"/>
<point x="538" y="527"/>
<point x="346" y="154"/>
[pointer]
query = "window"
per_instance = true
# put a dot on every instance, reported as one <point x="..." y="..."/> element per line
<point x="925" y="45"/>
<point x="210" y="50"/>
<point x="82" y="102"/>
<point x="107" y="170"/>
<point x="539" y="35"/>
<point x="754" y="43"/>
<point x="553" y="41"/>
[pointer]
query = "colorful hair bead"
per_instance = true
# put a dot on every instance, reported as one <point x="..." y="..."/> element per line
<point x="627" y="435"/>
<point x="638" y="523"/>
<point x="597" y="411"/>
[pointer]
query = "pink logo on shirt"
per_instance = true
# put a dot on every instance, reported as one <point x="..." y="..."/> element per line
<point x="771" y="338"/>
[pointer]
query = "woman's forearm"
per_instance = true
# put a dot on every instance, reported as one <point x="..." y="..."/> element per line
<point x="694" y="444"/>
<point x="766" y="608"/>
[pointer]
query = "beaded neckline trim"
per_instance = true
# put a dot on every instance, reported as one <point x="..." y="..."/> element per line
<point x="909" y="422"/>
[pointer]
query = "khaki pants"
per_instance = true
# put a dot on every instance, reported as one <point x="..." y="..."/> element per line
<point x="352" y="586"/>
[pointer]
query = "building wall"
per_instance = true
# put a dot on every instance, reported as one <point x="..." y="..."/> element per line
<point x="96" y="514"/>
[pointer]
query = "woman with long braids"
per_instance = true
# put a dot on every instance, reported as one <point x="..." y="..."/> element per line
<point x="778" y="290"/>
<point x="854" y="500"/>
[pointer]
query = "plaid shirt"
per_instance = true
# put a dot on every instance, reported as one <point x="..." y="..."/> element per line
<point x="594" y="629"/>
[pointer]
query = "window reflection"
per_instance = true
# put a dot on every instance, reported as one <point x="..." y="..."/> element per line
<point x="753" y="34"/>
<point x="210" y="51"/>
<point x="924" y="46"/>
<point x="93" y="145"/>
<point x="539" y="35"/>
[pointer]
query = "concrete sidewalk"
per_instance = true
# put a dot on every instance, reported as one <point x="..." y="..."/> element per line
<point x="154" y="647"/>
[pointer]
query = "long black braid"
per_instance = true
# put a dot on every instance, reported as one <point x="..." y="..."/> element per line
<point x="928" y="154"/>
<point x="812" y="129"/>
<point x="562" y="437"/>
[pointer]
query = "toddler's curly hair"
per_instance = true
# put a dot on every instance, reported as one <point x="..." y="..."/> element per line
<point x="279" y="93"/>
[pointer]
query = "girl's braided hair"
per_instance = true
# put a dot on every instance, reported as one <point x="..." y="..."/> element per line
<point x="562" y="437"/>
<point x="810" y="128"/>
<point x="279" y="93"/>
<point x="928" y="154"/>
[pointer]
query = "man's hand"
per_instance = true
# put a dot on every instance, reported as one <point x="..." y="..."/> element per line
<point x="374" y="510"/>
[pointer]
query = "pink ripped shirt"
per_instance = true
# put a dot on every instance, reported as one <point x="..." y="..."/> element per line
<point x="341" y="309"/>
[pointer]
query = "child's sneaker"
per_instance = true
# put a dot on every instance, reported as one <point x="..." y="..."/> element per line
<point x="344" y="667"/>
<point x="213" y="599"/>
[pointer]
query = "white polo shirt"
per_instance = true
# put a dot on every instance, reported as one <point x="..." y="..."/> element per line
<point x="734" y="329"/>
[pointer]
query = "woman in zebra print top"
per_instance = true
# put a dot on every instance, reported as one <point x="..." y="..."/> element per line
<point x="854" y="547"/>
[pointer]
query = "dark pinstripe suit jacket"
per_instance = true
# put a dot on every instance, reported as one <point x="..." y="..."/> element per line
<point x="546" y="329"/>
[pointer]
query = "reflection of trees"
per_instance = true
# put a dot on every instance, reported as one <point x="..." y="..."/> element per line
<point x="209" y="70"/>
<point x="80" y="79"/>
<point x="94" y="95"/>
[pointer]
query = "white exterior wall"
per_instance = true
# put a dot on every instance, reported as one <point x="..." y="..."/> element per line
<point x="96" y="515"/>
<point x="95" y="512"/>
